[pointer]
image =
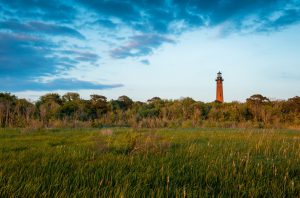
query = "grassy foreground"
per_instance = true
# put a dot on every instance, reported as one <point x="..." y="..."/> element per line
<point x="149" y="163"/>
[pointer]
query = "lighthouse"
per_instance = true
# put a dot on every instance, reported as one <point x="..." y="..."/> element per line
<point x="219" y="80"/>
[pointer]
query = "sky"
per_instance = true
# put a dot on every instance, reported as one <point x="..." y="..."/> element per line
<point x="146" y="48"/>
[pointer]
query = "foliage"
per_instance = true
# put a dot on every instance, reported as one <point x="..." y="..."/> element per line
<point x="69" y="110"/>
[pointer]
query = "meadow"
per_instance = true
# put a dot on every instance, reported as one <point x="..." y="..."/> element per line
<point x="123" y="162"/>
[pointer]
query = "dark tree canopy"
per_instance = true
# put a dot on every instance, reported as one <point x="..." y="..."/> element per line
<point x="69" y="110"/>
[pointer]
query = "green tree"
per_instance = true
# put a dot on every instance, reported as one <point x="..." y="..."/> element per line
<point x="125" y="102"/>
<point x="49" y="106"/>
<point x="256" y="104"/>
<point x="24" y="112"/>
<point x="70" y="96"/>
<point x="99" y="105"/>
<point x="7" y="103"/>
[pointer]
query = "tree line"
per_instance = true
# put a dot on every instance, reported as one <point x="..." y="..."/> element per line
<point x="69" y="110"/>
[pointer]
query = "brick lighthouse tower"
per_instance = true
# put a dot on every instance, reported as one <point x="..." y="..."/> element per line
<point x="219" y="96"/>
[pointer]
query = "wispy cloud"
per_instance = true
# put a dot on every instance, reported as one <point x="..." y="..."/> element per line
<point x="158" y="16"/>
<point x="83" y="56"/>
<point x="54" y="10"/>
<point x="140" y="45"/>
<point x="38" y="28"/>
<point x="283" y="19"/>
<point x="145" y="62"/>
<point x="105" y="23"/>
<point x="26" y="56"/>
<point x="17" y="85"/>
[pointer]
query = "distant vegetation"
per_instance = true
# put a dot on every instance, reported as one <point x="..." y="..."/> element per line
<point x="69" y="110"/>
<point x="149" y="163"/>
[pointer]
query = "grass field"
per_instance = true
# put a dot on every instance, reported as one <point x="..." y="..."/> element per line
<point x="149" y="163"/>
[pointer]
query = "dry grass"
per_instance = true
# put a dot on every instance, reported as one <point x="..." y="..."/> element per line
<point x="148" y="143"/>
<point x="106" y="132"/>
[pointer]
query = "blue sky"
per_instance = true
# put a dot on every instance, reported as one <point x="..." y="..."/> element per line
<point x="147" y="48"/>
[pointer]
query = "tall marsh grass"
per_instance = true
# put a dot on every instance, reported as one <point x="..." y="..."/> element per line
<point x="150" y="163"/>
